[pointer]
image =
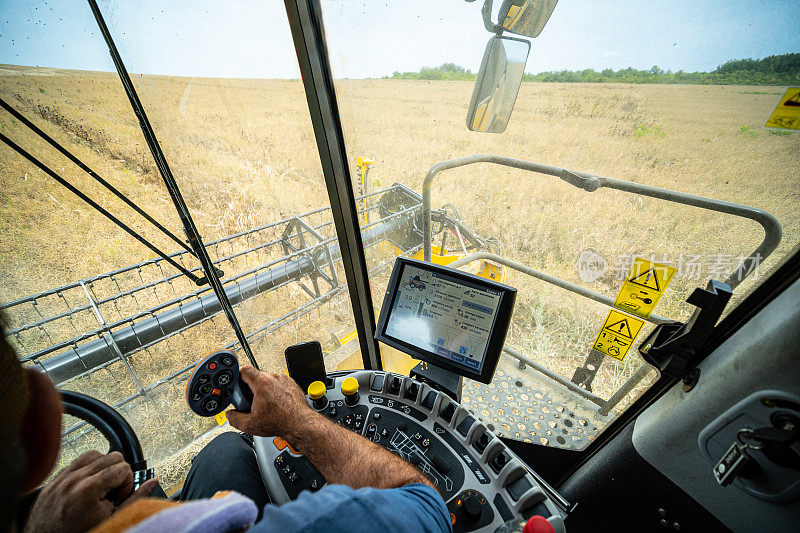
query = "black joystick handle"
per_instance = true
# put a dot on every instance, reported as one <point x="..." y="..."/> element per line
<point x="242" y="397"/>
<point x="216" y="383"/>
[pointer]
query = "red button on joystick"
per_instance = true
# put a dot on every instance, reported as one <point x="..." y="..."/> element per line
<point x="212" y="366"/>
<point x="538" y="524"/>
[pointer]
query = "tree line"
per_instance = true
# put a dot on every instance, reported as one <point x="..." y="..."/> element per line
<point x="773" y="70"/>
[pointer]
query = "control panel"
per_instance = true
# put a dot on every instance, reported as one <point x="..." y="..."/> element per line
<point x="483" y="483"/>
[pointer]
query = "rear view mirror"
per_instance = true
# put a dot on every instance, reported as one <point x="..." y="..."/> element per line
<point x="523" y="17"/>
<point x="498" y="84"/>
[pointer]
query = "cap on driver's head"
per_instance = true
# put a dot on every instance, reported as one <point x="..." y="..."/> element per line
<point x="15" y="393"/>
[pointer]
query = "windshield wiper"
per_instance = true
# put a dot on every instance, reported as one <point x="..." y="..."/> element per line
<point x="47" y="170"/>
<point x="52" y="142"/>
<point x="172" y="187"/>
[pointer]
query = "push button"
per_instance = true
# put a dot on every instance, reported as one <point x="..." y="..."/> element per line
<point x="538" y="524"/>
<point x="394" y="385"/>
<point x="448" y="412"/>
<point x="498" y="462"/>
<point x="441" y="464"/>
<point x="281" y="444"/>
<point x="223" y="378"/>
<point x="412" y="391"/>
<point x="518" y="488"/>
<point x="481" y="442"/>
<point x="350" y="390"/>
<point x="377" y="382"/>
<point x="464" y="426"/>
<point x="211" y="405"/>
<point x="429" y="400"/>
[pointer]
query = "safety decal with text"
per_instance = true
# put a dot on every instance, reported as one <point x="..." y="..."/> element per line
<point x="221" y="418"/>
<point x="617" y="334"/>
<point x="787" y="112"/>
<point x="644" y="284"/>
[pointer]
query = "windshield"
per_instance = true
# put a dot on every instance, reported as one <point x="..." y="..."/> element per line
<point x="98" y="311"/>
<point x="680" y="104"/>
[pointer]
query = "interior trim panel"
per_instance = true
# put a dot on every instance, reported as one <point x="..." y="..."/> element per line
<point x="666" y="434"/>
<point x="617" y="490"/>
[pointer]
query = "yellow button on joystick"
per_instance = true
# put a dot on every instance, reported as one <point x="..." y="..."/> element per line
<point x="350" y="390"/>
<point x="316" y="391"/>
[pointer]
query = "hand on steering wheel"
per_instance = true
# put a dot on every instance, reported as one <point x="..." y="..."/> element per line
<point x="85" y="493"/>
<point x="88" y="490"/>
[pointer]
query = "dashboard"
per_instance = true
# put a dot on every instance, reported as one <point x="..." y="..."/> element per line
<point x="483" y="483"/>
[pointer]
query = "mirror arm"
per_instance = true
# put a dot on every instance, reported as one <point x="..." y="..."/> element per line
<point x="490" y="26"/>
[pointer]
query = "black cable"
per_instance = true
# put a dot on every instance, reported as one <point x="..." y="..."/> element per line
<point x="33" y="127"/>
<point x="172" y="187"/>
<point x="44" y="168"/>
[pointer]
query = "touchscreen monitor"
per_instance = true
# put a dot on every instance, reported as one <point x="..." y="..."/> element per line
<point x="446" y="317"/>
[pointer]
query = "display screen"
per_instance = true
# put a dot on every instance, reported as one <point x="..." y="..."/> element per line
<point x="444" y="315"/>
<point x="305" y="363"/>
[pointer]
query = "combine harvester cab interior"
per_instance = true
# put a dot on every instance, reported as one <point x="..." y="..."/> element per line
<point x="574" y="301"/>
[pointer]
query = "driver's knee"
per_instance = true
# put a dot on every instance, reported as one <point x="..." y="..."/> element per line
<point x="228" y="462"/>
<point x="226" y="446"/>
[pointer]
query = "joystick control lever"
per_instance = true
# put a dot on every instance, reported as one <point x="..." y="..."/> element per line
<point x="216" y="383"/>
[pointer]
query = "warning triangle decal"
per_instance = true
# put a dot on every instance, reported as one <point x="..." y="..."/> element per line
<point x="794" y="101"/>
<point x="621" y="327"/>
<point x="647" y="279"/>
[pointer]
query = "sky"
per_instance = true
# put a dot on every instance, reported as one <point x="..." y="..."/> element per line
<point x="373" y="38"/>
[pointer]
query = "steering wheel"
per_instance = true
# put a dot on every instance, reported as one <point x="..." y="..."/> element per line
<point x="116" y="430"/>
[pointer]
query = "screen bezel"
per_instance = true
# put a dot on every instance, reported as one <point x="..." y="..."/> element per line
<point x="497" y="337"/>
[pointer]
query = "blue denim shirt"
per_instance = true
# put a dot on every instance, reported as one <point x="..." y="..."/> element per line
<point x="415" y="507"/>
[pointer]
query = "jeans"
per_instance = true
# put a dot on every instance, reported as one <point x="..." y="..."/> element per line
<point x="226" y="463"/>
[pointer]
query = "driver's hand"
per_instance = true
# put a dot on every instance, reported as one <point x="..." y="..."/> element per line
<point x="278" y="404"/>
<point x="81" y="495"/>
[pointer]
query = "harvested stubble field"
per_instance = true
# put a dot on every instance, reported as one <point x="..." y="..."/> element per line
<point x="244" y="154"/>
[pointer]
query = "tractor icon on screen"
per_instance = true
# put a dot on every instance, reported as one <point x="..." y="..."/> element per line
<point x="416" y="283"/>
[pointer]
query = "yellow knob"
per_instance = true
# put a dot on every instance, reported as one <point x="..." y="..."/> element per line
<point x="349" y="386"/>
<point x="316" y="390"/>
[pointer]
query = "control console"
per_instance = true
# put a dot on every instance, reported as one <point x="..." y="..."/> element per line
<point x="483" y="483"/>
<point x="215" y="384"/>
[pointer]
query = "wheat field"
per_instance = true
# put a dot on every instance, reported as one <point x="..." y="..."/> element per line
<point x="244" y="154"/>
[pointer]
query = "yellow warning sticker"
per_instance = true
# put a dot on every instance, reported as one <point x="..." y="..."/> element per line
<point x="617" y="334"/>
<point x="221" y="418"/>
<point x="787" y="113"/>
<point x="645" y="283"/>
